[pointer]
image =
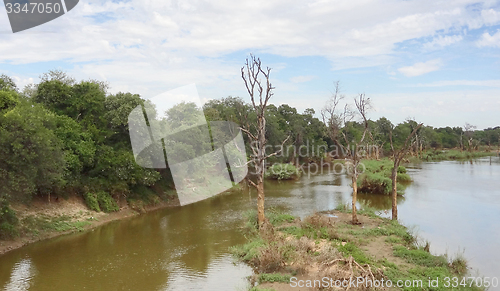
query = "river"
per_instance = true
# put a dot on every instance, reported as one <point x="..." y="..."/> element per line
<point x="455" y="206"/>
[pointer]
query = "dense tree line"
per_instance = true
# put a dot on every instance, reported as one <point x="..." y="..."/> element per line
<point x="62" y="136"/>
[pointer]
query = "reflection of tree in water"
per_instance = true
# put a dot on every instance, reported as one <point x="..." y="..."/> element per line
<point x="377" y="201"/>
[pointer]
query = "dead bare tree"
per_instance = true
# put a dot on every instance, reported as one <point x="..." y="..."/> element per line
<point x="397" y="157"/>
<point x="336" y="125"/>
<point x="260" y="92"/>
<point x="331" y="118"/>
<point x="362" y="106"/>
<point x="469" y="133"/>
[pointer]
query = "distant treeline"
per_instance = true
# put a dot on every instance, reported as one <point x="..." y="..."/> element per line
<point x="61" y="136"/>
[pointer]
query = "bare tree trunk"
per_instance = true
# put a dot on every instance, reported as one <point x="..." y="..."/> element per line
<point x="394" y="178"/>
<point x="261" y="91"/>
<point x="416" y="145"/>
<point x="354" y="198"/>
<point x="260" y="203"/>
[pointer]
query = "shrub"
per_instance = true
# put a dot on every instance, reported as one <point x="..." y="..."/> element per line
<point x="106" y="202"/>
<point x="143" y="193"/>
<point x="92" y="202"/>
<point x="377" y="177"/>
<point x="8" y="221"/>
<point x="101" y="201"/>
<point x="282" y="172"/>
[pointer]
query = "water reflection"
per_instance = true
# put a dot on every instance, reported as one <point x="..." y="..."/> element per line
<point x="21" y="275"/>
<point x="378" y="202"/>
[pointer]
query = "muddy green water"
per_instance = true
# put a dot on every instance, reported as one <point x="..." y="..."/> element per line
<point x="456" y="206"/>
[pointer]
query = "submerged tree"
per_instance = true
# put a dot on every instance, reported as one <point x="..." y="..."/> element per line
<point x="260" y="92"/>
<point x="400" y="147"/>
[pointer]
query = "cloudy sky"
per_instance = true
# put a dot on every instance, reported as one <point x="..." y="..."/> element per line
<point x="435" y="61"/>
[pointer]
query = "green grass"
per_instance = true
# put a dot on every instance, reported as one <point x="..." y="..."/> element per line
<point x="350" y="249"/>
<point x="277" y="217"/>
<point x="248" y="251"/>
<point x="37" y="224"/>
<point x="377" y="177"/>
<point x="420" y="257"/>
<point x="442" y="155"/>
<point x="261" y="289"/>
<point x="271" y="254"/>
<point x="391" y="228"/>
<point x="274" y="277"/>
<point x="282" y="172"/>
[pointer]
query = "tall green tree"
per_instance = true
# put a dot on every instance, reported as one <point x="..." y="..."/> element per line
<point x="31" y="157"/>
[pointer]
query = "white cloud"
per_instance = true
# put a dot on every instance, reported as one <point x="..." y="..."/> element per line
<point x="482" y="83"/>
<point x="490" y="16"/>
<point x="442" y="41"/>
<point x="440" y="109"/>
<point x="421" y="68"/>
<point x="301" y="79"/>
<point x="136" y="44"/>
<point x="489" y="40"/>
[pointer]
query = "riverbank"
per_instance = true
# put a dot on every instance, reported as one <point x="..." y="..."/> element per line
<point x="290" y="254"/>
<point x="42" y="220"/>
<point x="453" y="155"/>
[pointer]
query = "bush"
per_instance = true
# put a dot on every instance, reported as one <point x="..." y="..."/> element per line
<point x="8" y="221"/>
<point x="377" y="177"/>
<point x="282" y="172"/>
<point x="101" y="201"/>
<point x="92" y="202"/>
<point x="143" y="193"/>
<point x="106" y="202"/>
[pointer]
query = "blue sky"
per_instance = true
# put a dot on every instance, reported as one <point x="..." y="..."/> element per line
<point x="434" y="61"/>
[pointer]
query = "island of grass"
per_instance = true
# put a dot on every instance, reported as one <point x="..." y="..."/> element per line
<point x="290" y="252"/>
<point x="454" y="155"/>
<point x="281" y="171"/>
<point x="376" y="177"/>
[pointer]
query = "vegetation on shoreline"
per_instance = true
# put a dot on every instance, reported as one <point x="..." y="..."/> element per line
<point x="63" y="137"/>
<point x="452" y="154"/>
<point x="376" y="177"/>
<point x="328" y="245"/>
<point x="281" y="171"/>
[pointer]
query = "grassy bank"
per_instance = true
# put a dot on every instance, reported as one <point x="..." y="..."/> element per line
<point x="327" y="245"/>
<point x="453" y="155"/>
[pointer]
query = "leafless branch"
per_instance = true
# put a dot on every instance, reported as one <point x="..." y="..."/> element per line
<point x="278" y="151"/>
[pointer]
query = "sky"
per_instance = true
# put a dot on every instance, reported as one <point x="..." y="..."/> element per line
<point x="434" y="61"/>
